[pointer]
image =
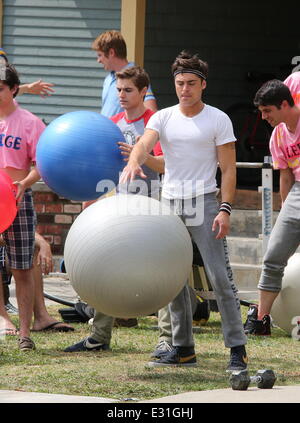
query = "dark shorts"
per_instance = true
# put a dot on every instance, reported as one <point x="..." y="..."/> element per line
<point x="19" y="237"/>
<point x="6" y="275"/>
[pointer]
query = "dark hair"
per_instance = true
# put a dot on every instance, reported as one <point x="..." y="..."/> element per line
<point x="111" y="39"/>
<point x="273" y="93"/>
<point x="138" y="76"/>
<point x="186" y="60"/>
<point x="11" y="77"/>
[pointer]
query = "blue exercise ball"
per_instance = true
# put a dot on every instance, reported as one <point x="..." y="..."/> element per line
<point x="78" y="156"/>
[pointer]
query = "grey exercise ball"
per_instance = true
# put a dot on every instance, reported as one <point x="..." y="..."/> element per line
<point x="128" y="256"/>
<point x="287" y="304"/>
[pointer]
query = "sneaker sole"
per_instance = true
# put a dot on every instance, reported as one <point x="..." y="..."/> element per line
<point x="27" y="349"/>
<point x="155" y="364"/>
<point x="235" y="370"/>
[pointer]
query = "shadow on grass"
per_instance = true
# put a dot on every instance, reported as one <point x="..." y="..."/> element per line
<point x="182" y="377"/>
<point x="114" y="353"/>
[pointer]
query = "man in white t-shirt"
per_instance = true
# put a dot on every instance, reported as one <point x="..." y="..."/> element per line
<point x="194" y="138"/>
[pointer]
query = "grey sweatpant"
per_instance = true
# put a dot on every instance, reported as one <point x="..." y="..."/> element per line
<point x="164" y="318"/>
<point x="283" y="242"/>
<point x="212" y="251"/>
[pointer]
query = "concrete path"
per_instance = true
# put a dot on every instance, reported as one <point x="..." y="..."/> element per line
<point x="57" y="285"/>
<point x="279" y="394"/>
<point x="35" y="397"/>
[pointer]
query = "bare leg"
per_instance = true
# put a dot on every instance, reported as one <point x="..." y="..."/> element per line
<point x="25" y="297"/>
<point x="266" y="300"/>
<point x="7" y="323"/>
<point x="42" y="318"/>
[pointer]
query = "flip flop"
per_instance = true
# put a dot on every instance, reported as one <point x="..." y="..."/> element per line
<point x="8" y="332"/>
<point x="55" y="328"/>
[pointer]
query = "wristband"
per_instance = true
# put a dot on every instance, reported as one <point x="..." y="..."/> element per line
<point x="225" y="207"/>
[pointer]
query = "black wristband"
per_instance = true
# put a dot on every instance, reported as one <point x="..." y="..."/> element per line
<point x="225" y="207"/>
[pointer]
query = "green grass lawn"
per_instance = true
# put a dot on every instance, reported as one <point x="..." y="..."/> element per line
<point x="121" y="373"/>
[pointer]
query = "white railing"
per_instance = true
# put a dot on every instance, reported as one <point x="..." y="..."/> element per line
<point x="266" y="190"/>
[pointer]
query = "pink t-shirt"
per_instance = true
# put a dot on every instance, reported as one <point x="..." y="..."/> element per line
<point x="19" y="134"/>
<point x="285" y="148"/>
<point x="293" y="82"/>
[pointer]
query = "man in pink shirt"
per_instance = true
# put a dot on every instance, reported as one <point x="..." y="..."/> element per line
<point x="277" y="106"/>
<point x="19" y="133"/>
<point x="293" y="82"/>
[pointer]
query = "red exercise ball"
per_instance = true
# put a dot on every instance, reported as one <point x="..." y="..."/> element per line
<point x="8" y="204"/>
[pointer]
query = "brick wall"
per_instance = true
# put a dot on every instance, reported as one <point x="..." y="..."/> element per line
<point x="251" y="200"/>
<point x="55" y="216"/>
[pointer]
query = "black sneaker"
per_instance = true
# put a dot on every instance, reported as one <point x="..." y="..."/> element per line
<point x="253" y="326"/>
<point x="202" y="312"/>
<point x="179" y="356"/>
<point x="251" y="318"/>
<point x="238" y="359"/>
<point x="87" y="344"/>
<point x="162" y="348"/>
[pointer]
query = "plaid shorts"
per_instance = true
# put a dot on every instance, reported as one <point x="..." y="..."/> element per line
<point x="19" y="237"/>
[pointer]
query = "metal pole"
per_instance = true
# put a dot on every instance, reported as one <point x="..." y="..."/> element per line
<point x="266" y="189"/>
<point x="267" y="202"/>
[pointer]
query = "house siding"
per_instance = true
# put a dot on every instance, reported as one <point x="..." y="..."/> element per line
<point x="233" y="36"/>
<point x="51" y="40"/>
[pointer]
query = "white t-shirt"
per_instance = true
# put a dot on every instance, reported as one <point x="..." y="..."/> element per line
<point x="189" y="145"/>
